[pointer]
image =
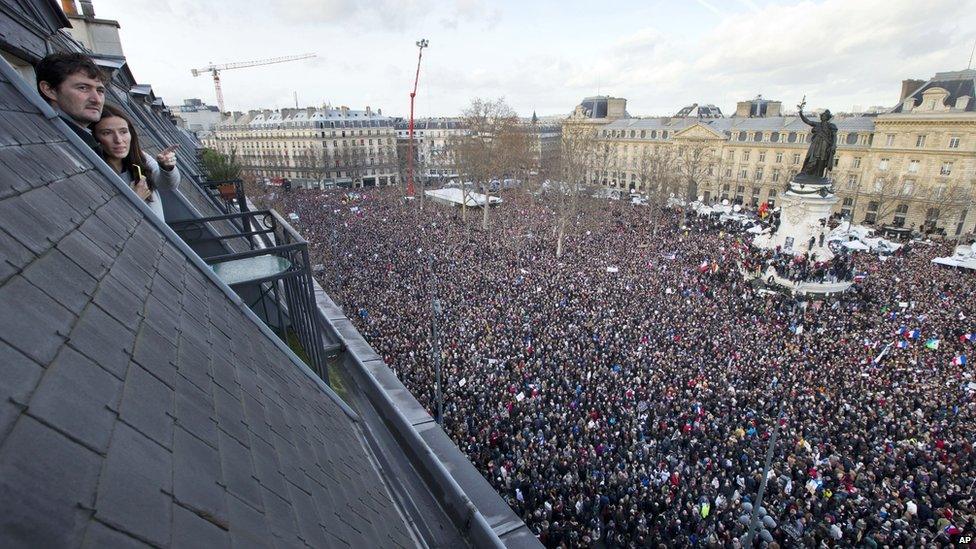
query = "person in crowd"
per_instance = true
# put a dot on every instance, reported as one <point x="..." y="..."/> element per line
<point x="625" y="393"/>
<point x="74" y="85"/>
<point x="119" y="143"/>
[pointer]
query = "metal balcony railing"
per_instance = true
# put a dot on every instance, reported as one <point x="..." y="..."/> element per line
<point x="273" y="277"/>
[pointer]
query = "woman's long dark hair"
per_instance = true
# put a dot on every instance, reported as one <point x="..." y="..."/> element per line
<point x="134" y="158"/>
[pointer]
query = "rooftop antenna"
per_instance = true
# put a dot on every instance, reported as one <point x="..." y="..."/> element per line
<point x="296" y="99"/>
<point x="970" y="65"/>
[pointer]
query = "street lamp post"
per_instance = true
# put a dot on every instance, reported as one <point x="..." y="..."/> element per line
<point x="436" y="307"/>
<point x="754" y="517"/>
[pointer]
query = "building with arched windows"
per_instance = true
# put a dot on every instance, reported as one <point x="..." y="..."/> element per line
<point x="913" y="166"/>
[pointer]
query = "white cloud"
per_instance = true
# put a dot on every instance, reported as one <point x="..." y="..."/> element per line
<point x="546" y="56"/>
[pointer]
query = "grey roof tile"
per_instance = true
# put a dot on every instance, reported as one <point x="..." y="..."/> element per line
<point x="196" y="476"/>
<point x="162" y="318"/>
<point x="119" y="302"/>
<point x="148" y="406"/>
<point x="18" y="377"/>
<point x="237" y="472"/>
<point x="248" y="526"/>
<point x="117" y="214"/>
<point x="194" y="411"/>
<point x="266" y="468"/>
<point x="225" y="375"/>
<point x="254" y="417"/>
<point x="41" y="324"/>
<point x="62" y="279"/>
<point x="191" y="531"/>
<point x="156" y="354"/>
<point x="99" y="536"/>
<point x="132" y="489"/>
<point x="281" y="516"/>
<point x="25" y="224"/>
<point x="229" y="413"/>
<point x="15" y="256"/>
<point x="307" y="518"/>
<point x="61" y="217"/>
<point x="102" y="235"/>
<point x="47" y="482"/>
<point x="81" y="250"/>
<point x="78" y="397"/>
<point x="103" y="339"/>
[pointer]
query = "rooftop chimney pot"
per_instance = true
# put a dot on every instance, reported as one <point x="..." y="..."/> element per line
<point x="69" y="7"/>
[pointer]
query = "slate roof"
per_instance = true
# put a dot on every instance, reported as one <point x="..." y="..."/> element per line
<point x="734" y="124"/>
<point x="958" y="84"/>
<point x="142" y="404"/>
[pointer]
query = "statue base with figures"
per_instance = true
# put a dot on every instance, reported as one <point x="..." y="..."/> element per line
<point x="804" y="209"/>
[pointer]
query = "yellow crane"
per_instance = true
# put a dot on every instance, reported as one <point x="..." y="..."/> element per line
<point x="214" y="70"/>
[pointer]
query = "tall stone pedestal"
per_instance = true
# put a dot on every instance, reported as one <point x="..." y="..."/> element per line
<point x="804" y="209"/>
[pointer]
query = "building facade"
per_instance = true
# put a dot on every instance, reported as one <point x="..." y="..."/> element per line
<point x="197" y="117"/>
<point x="430" y="139"/>
<point x="913" y="166"/>
<point x="312" y="147"/>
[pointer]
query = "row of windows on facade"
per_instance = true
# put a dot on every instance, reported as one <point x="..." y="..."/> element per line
<point x="323" y="135"/>
<point x="278" y="139"/>
<point x="852" y="138"/>
<point x="319" y="125"/>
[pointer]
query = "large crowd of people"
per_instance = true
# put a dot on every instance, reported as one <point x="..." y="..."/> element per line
<point x="624" y="394"/>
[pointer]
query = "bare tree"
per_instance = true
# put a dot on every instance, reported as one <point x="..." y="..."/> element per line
<point x="571" y="177"/>
<point x="491" y="147"/>
<point x="695" y="160"/>
<point x="946" y="202"/>
<point x="885" y="194"/>
<point x="656" y="173"/>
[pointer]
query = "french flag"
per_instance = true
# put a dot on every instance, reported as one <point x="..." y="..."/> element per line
<point x="915" y="334"/>
<point x="902" y="344"/>
<point x="960" y="360"/>
<point x="901" y="331"/>
<point x="967" y="337"/>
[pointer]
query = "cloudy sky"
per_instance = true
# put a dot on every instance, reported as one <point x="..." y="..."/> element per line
<point x="543" y="55"/>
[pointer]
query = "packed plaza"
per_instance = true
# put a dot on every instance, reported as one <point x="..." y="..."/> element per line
<point x="624" y="394"/>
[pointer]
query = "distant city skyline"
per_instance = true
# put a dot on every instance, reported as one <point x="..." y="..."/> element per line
<point x="545" y="56"/>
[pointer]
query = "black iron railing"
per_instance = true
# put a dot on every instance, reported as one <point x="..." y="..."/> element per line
<point x="273" y="277"/>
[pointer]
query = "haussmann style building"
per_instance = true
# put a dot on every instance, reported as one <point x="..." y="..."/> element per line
<point x="913" y="166"/>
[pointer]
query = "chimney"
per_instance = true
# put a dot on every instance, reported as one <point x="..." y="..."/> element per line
<point x="369" y="111"/>
<point x="69" y="7"/>
<point x="345" y="110"/>
<point x="909" y="87"/>
<point x="87" y="9"/>
<point x="379" y="112"/>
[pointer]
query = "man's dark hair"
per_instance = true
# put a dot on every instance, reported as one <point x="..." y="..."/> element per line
<point x="57" y="67"/>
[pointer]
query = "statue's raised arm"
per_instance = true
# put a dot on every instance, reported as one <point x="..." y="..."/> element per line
<point x="805" y="120"/>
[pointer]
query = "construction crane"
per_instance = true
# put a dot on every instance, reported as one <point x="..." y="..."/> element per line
<point x="421" y="44"/>
<point x="214" y="70"/>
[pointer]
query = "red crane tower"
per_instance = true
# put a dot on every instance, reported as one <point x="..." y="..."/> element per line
<point x="421" y="44"/>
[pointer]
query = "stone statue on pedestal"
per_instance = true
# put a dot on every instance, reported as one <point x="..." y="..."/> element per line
<point x="823" y="144"/>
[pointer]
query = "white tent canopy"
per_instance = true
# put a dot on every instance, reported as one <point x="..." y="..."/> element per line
<point x="456" y="197"/>
<point x="964" y="257"/>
